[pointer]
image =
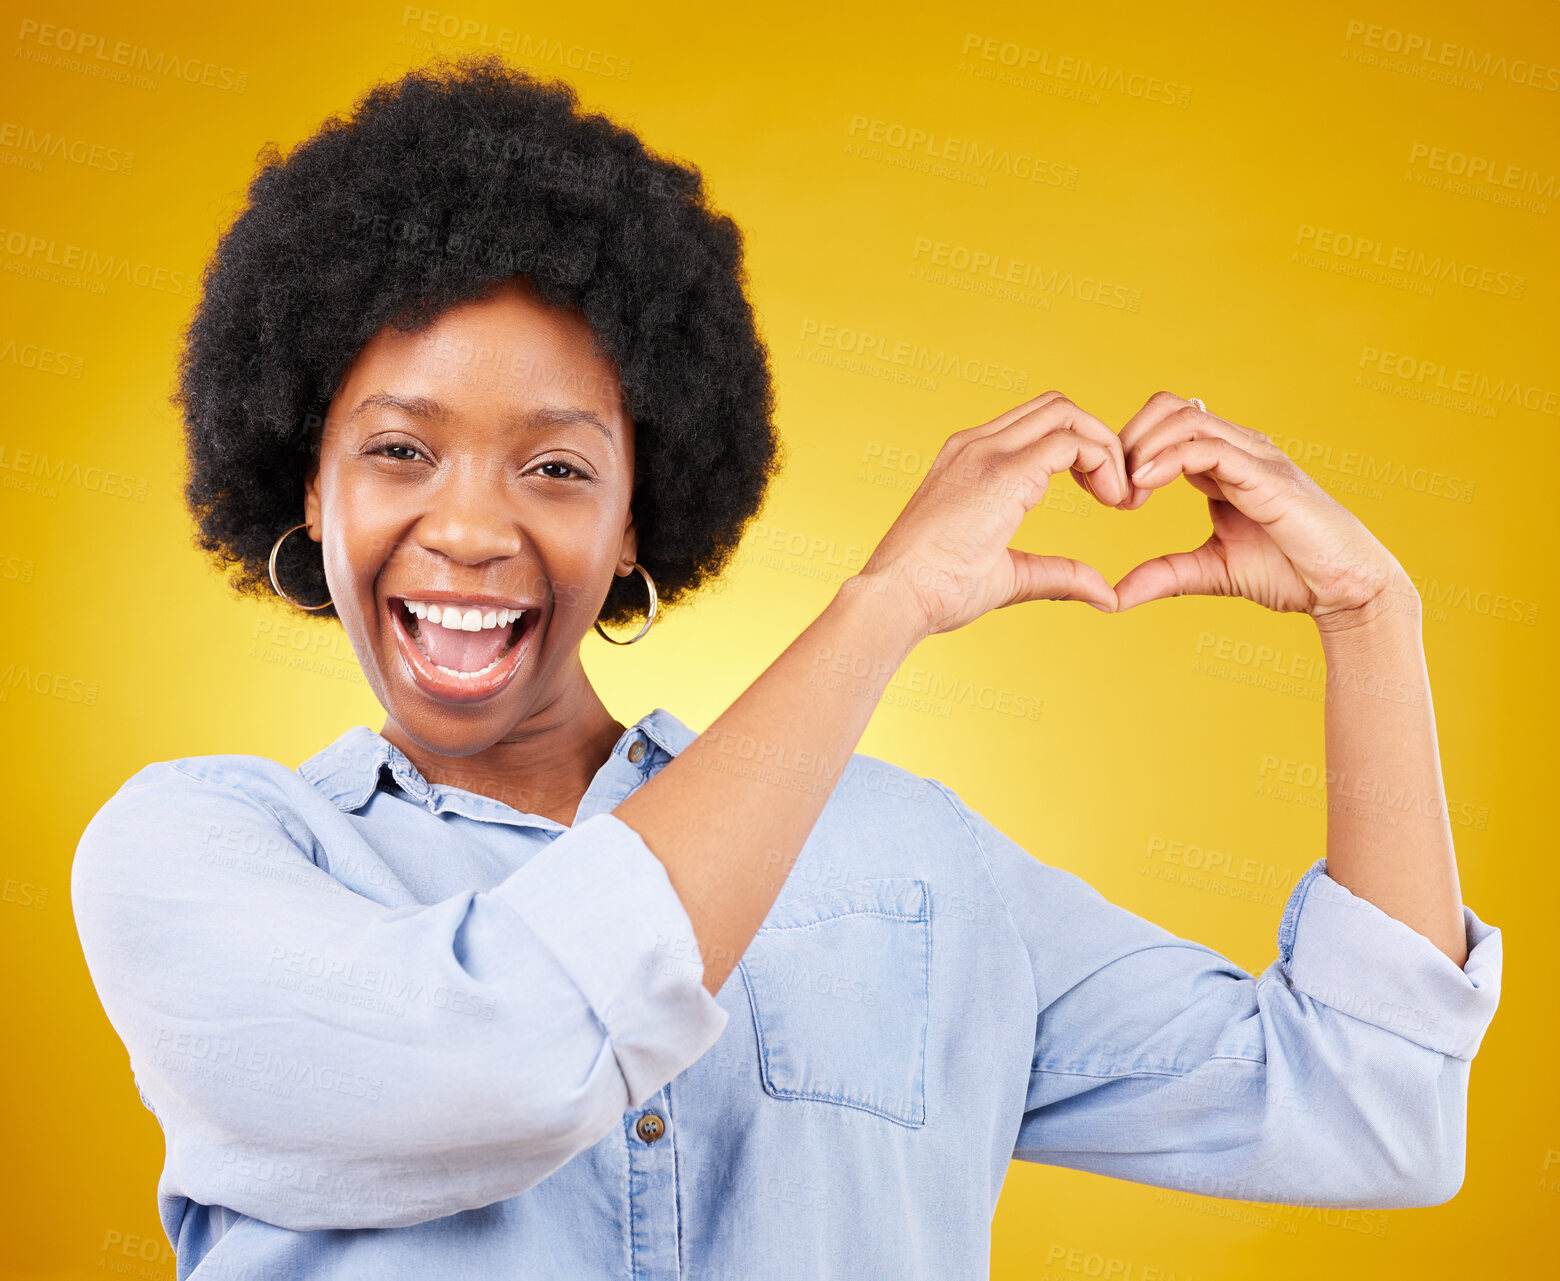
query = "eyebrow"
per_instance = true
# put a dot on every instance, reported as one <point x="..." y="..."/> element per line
<point x="438" y="411"/>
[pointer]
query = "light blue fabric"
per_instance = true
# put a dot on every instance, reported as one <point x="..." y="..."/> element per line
<point x="396" y="1030"/>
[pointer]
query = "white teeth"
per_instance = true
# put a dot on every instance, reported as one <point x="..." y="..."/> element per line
<point x="466" y="676"/>
<point x="464" y="618"/>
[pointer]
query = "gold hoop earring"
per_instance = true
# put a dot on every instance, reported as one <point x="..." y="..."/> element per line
<point x="654" y="599"/>
<point x="276" y="547"/>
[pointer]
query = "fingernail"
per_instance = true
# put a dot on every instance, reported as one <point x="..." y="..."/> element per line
<point x="1143" y="470"/>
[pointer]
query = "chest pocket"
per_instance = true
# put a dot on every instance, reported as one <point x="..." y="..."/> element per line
<point x="839" y="982"/>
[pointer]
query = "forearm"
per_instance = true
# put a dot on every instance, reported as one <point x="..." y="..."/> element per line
<point x="730" y="813"/>
<point x="1389" y="839"/>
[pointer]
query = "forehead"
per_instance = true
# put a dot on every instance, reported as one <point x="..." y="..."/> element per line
<point x="508" y="347"/>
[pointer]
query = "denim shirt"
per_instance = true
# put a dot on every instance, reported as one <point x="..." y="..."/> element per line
<point x="398" y="1030"/>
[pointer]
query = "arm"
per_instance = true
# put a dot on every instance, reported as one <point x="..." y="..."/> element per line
<point x="1389" y="839"/>
<point x="1338" y="1076"/>
<point x="1282" y="541"/>
<point x="382" y="1117"/>
<point x="380" y="1066"/>
<point x="729" y="836"/>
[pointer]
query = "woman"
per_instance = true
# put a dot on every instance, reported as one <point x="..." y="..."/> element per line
<point x="485" y="994"/>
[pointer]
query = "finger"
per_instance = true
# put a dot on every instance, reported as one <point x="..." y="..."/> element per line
<point x="1259" y="488"/>
<point x="1108" y="484"/>
<point x="992" y="476"/>
<point x="1086" y="482"/>
<point x="1193" y="424"/>
<point x="1183" y="424"/>
<point x="1082" y="480"/>
<point x="1160" y="407"/>
<point x="1155" y="410"/>
<point x="1018" y="411"/>
<point x="1096" y="465"/>
<point x="1195" y="573"/>
<point x="1058" y="578"/>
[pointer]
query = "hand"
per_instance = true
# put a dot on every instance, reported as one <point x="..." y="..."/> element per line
<point x="1278" y="539"/>
<point x="948" y="550"/>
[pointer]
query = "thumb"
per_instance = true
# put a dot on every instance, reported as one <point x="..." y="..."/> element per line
<point x="1195" y="573"/>
<point x="1058" y="578"/>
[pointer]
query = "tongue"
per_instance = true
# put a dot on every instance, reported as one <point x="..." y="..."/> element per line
<point x="462" y="651"/>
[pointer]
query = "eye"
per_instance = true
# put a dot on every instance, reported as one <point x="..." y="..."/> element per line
<point x="385" y="449"/>
<point x="558" y="462"/>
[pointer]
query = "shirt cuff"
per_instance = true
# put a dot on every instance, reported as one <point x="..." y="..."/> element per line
<point x="1347" y="953"/>
<point x="601" y="902"/>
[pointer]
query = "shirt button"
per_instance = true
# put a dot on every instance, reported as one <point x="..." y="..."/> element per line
<point x="636" y="751"/>
<point x="650" y="1127"/>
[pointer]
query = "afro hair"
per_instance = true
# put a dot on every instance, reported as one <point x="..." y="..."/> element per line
<point x="461" y="174"/>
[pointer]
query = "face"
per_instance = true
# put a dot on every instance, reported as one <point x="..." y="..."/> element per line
<point x="477" y="472"/>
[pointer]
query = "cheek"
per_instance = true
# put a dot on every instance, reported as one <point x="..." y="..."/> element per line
<point x="579" y="559"/>
<point x="362" y="539"/>
<point x="572" y="582"/>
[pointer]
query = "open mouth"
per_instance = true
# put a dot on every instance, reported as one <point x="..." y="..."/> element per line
<point x="461" y="663"/>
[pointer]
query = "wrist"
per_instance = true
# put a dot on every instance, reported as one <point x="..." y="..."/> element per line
<point x="892" y="613"/>
<point x="1394" y="617"/>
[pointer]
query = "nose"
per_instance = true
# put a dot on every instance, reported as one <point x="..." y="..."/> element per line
<point x="471" y="516"/>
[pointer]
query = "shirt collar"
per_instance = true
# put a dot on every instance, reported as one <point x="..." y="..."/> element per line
<point x="349" y="770"/>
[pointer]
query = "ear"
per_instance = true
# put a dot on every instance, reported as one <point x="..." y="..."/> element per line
<point x="311" y="487"/>
<point x="311" y="498"/>
<point x="630" y="549"/>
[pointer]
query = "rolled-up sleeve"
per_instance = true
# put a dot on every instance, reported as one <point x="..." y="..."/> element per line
<point x="1337" y="1077"/>
<point x="319" y="1060"/>
<point x="1346" y="953"/>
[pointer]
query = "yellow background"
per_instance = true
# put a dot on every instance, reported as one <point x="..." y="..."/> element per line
<point x="122" y="647"/>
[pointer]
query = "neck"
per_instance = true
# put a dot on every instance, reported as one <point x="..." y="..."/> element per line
<point x="544" y="765"/>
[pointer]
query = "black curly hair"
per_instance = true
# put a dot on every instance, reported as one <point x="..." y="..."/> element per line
<point x="457" y="176"/>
